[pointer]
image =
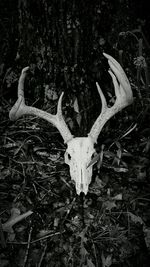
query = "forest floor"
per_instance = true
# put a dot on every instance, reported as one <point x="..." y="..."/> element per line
<point x="44" y="222"/>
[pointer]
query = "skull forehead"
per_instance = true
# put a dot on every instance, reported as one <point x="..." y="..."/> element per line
<point x="80" y="145"/>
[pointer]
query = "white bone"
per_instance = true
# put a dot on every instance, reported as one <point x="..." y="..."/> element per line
<point x="78" y="155"/>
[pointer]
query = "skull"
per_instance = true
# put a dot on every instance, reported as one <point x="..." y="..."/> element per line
<point x="78" y="155"/>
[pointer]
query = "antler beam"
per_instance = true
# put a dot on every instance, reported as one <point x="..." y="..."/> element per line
<point x="20" y="109"/>
<point x="123" y="94"/>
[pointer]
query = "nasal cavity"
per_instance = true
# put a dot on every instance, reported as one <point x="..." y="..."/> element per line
<point x="81" y="185"/>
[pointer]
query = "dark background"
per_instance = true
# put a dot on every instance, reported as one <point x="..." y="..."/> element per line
<point x="63" y="41"/>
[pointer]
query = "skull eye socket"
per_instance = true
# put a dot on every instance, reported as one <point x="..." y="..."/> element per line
<point x="69" y="157"/>
<point x="93" y="155"/>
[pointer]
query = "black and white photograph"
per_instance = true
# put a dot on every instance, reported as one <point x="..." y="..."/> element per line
<point x="75" y="133"/>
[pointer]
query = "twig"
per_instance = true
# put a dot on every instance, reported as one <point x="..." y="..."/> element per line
<point x="2" y="238"/>
<point x="42" y="256"/>
<point x="28" y="246"/>
<point x="37" y="240"/>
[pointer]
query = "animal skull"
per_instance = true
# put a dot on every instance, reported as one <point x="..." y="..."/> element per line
<point x="78" y="155"/>
<point x="79" y="150"/>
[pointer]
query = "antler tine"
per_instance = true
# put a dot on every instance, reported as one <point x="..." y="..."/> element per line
<point x="123" y="95"/>
<point x="20" y="108"/>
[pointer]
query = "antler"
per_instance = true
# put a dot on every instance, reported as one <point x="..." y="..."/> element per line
<point x="20" y="109"/>
<point x="123" y="94"/>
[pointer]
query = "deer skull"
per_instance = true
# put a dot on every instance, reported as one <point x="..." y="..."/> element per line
<point x="80" y="150"/>
<point x="78" y="155"/>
